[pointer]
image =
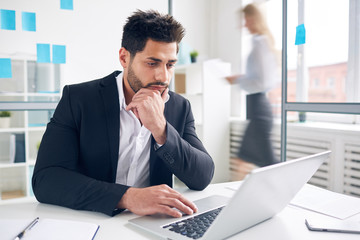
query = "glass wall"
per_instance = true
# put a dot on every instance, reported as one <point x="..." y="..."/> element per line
<point x="321" y="93"/>
<point x="318" y="60"/>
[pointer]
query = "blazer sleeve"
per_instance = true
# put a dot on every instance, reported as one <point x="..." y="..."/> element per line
<point x="184" y="154"/>
<point x="57" y="178"/>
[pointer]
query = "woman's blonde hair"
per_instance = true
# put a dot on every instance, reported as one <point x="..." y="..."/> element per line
<point x="260" y="25"/>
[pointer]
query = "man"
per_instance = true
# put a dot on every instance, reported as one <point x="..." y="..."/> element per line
<point x="115" y="143"/>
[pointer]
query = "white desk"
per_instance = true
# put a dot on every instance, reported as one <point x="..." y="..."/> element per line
<point x="287" y="225"/>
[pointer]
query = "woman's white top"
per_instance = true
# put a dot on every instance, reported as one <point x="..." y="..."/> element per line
<point x="262" y="68"/>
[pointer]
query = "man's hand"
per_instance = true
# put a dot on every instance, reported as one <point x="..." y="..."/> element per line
<point x="148" y="106"/>
<point x="156" y="199"/>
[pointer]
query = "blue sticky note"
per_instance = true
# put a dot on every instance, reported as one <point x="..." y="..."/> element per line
<point x="5" y="68"/>
<point x="7" y="19"/>
<point x="28" y="21"/>
<point x="300" y="34"/>
<point x="43" y="53"/>
<point x="59" y="54"/>
<point x="66" y="4"/>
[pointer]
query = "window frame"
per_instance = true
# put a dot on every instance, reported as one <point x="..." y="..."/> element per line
<point x="353" y="86"/>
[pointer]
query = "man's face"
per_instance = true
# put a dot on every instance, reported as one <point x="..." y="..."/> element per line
<point x="152" y="68"/>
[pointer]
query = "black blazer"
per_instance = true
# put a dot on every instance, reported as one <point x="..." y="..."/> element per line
<point x="77" y="160"/>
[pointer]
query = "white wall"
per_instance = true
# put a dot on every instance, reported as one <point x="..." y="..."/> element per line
<point x="227" y="44"/>
<point x="91" y="32"/>
<point x="212" y="27"/>
<point x="194" y="15"/>
<point x="226" y="32"/>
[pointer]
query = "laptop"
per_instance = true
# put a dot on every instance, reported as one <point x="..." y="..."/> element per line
<point x="263" y="193"/>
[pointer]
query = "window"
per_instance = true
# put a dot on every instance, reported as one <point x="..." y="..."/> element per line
<point x="330" y="83"/>
<point x="325" y="97"/>
<point x="315" y="83"/>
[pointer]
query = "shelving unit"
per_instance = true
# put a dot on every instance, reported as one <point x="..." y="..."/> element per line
<point x="203" y="84"/>
<point x="31" y="82"/>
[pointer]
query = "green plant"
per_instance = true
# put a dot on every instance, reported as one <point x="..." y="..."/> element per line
<point x="5" y="114"/>
<point x="194" y="54"/>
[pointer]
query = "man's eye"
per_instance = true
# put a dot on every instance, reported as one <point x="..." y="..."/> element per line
<point x="151" y="64"/>
<point x="171" y="65"/>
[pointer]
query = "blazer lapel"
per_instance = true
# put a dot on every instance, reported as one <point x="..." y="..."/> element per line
<point x="110" y="97"/>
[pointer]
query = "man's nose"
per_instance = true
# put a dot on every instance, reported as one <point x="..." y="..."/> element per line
<point x="162" y="74"/>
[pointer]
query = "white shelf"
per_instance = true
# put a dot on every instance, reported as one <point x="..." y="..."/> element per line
<point x="17" y="200"/>
<point x="209" y="95"/>
<point x="31" y="82"/>
<point x="31" y="161"/>
<point x="182" y="68"/>
<point x="31" y="94"/>
<point x="17" y="94"/>
<point x="34" y="129"/>
<point x="12" y="130"/>
<point x="12" y="165"/>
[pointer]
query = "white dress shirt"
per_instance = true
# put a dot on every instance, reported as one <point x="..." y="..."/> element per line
<point x="262" y="69"/>
<point x="134" y="147"/>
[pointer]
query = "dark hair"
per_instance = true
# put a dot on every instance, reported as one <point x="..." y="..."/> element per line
<point x="142" y="26"/>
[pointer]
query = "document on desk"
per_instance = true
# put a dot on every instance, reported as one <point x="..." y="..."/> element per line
<point x="46" y="228"/>
<point x="326" y="202"/>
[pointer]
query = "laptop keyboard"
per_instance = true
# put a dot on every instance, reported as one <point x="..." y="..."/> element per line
<point x="194" y="227"/>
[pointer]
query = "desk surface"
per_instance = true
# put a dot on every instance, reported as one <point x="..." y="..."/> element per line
<point x="288" y="224"/>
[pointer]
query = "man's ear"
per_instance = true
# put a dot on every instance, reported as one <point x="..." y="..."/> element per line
<point x="124" y="57"/>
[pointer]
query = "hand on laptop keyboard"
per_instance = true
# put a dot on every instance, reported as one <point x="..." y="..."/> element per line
<point x="156" y="199"/>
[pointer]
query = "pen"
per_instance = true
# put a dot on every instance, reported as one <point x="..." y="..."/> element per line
<point x="20" y="235"/>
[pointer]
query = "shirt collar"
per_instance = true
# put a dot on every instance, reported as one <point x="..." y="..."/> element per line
<point x="119" y="82"/>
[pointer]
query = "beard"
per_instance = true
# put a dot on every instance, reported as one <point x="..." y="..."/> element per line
<point x="136" y="84"/>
